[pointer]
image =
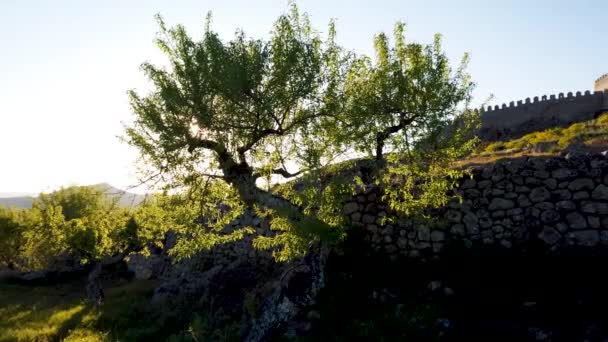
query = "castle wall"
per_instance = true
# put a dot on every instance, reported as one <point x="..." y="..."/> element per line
<point x="515" y="120"/>
<point x="602" y="83"/>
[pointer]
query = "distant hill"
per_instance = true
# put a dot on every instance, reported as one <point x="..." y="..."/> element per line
<point x="17" y="202"/>
<point x="125" y="199"/>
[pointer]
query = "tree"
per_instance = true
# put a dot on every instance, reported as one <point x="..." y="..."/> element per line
<point x="237" y="111"/>
<point x="11" y="237"/>
<point x="75" y="201"/>
<point x="407" y="93"/>
<point x="242" y="110"/>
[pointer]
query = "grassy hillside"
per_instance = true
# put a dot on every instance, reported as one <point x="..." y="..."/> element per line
<point x="590" y="133"/>
<point x="58" y="313"/>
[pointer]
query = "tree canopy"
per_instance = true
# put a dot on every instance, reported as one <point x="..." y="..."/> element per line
<point x="288" y="105"/>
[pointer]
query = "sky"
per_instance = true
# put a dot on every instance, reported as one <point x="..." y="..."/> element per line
<point x="65" y="66"/>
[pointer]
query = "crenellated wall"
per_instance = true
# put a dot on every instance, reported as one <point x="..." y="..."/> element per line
<point x="517" y="119"/>
<point x="601" y="83"/>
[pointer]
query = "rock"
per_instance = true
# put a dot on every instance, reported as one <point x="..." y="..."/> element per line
<point x="550" y="183"/>
<point x="549" y="216"/>
<point x="549" y="235"/>
<point x="533" y="212"/>
<point x="562" y="174"/>
<point x="544" y="206"/>
<point x="368" y="218"/>
<point x="566" y="205"/>
<point x="468" y="184"/>
<point x="485" y="222"/>
<point x="604" y="236"/>
<point x="561" y="227"/>
<point x="296" y="290"/>
<point x="562" y="194"/>
<point x="523" y="201"/>
<point x="498" y="214"/>
<point x="145" y="267"/>
<point x="372" y="228"/>
<point x="484" y="184"/>
<point x="458" y="230"/>
<point x="586" y="238"/>
<point x="539" y="194"/>
<point x="532" y="181"/>
<point x="506" y="243"/>
<point x="590" y="207"/>
<point x="600" y="193"/>
<point x="542" y="174"/>
<point x="472" y="193"/>
<point x="350" y="208"/>
<point x="424" y="233"/>
<point x="454" y="216"/>
<point x="581" y="184"/>
<point x="576" y="220"/>
<point x="437" y="236"/>
<point x="594" y="222"/>
<point x="355" y="217"/>
<point x="580" y="195"/>
<point x="500" y="204"/>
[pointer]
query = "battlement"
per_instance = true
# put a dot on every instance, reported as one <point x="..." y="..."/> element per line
<point x="547" y="98"/>
<point x="601" y="83"/>
<point x="540" y="113"/>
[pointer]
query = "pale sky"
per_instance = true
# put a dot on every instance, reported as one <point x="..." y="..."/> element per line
<point x="65" y="66"/>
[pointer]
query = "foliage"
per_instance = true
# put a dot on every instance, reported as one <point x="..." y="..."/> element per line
<point x="406" y="93"/>
<point x="227" y="106"/>
<point x="247" y="109"/>
<point x="199" y="215"/>
<point x="79" y="222"/>
<point x="11" y="236"/>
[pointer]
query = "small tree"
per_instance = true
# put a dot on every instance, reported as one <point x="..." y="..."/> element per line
<point x="11" y="237"/>
<point x="240" y="110"/>
<point x="407" y="93"/>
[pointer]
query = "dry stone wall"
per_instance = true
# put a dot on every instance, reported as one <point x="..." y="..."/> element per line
<point x="554" y="203"/>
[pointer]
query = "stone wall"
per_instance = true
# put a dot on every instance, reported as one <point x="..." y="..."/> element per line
<point x="515" y="120"/>
<point x="601" y="83"/>
<point x="553" y="203"/>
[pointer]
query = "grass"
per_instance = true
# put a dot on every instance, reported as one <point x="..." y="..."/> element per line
<point x="59" y="313"/>
<point x="589" y="133"/>
<point x="593" y="136"/>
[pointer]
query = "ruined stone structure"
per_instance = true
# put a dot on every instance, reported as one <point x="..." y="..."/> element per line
<point x="537" y="114"/>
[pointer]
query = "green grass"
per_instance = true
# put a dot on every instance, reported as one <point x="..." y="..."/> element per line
<point x="59" y="313"/>
<point x="589" y="133"/>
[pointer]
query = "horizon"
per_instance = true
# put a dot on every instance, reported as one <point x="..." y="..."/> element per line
<point x="67" y="66"/>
